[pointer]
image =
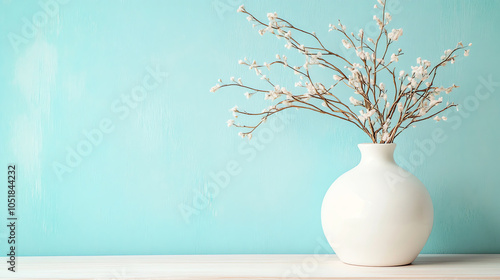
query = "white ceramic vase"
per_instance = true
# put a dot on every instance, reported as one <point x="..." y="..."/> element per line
<point x="377" y="214"/>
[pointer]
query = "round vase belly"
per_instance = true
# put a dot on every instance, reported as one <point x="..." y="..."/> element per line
<point x="377" y="214"/>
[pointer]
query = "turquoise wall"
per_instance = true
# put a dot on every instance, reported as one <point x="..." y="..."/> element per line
<point x="121" y="149"/>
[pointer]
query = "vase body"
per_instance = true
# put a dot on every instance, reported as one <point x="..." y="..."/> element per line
<point x="377" y="214"/>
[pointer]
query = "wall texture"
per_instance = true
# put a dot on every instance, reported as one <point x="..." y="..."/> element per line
<point x="107" y="114"/>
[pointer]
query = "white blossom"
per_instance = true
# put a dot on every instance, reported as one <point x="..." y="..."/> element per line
<point x="253" y="65"/>
<point x="433" y="101"/>
<point x="272" y="16"/>
<point x="230" y="123"/>
<point x="331" y="27"/>
<point x="379" y="22"/>
<point x="234" y="110"/>
<point x="296" y="70"/>
<point x="337" y="77"/>
<point x="355" y="102"/>
<point x="385" y="136"/>
<point x="419" y="72"/>
<point x="437" y="118"/>
<point x="241" y="9"/>
<point x="385" y="127"/>
<point x="360" y="33"/>
<point x="364" y="116"/>
<point x="413" y="82"/>
<point x="381" y="86"/>
<point x="346" y="44"/>
<point x="361" y="55"/>
<point x="394" y="57"/>
<point x="215" y="88"/>
<point x="400" y="107"/>
<point x="275" y="93"/>
<point x="388" y="17"/>
<point x="314" y="59"/>
<point x="395" y="34"/>
<point x="284" y="59"/>
<point x="466" y="52"/>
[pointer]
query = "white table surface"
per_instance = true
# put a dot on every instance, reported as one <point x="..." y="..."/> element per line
<point x="248" y="267"/>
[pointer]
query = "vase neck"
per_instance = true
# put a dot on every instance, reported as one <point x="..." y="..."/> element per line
<point x="377" y="153"/>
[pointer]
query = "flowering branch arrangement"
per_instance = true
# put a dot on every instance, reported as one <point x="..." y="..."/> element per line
<point x="385" y="110"/>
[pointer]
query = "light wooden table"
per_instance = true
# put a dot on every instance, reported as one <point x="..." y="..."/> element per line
<point x="248" y="267"/>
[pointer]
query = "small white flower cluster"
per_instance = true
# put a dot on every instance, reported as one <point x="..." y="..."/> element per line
<point x="385" y="130"/>
<point x="365" y="55"/>
<point x="215" y="88"/>
<point x="283" y="59"/>
<point x="234" y="110"/>
<point x="356" y="80"/>
<point x="313" y="59"/>
<point x="236" y="81"/>
<point x="272" y="26"/>
<point x="243" y="135"/>
<point x="355" y="102"/>
<point x="394" y="57"/>
<point x="395" y="34"/>
<point x="276" y="93"/>
<point x="365" y="116"/>
<point x="346" y="44"/>
<point x="419" y="73"/>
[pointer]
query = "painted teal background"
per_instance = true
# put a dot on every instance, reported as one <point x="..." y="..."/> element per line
<point x="133" y="192"/>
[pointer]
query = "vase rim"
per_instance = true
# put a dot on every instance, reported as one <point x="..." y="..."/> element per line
<point x="375" y="144"/>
